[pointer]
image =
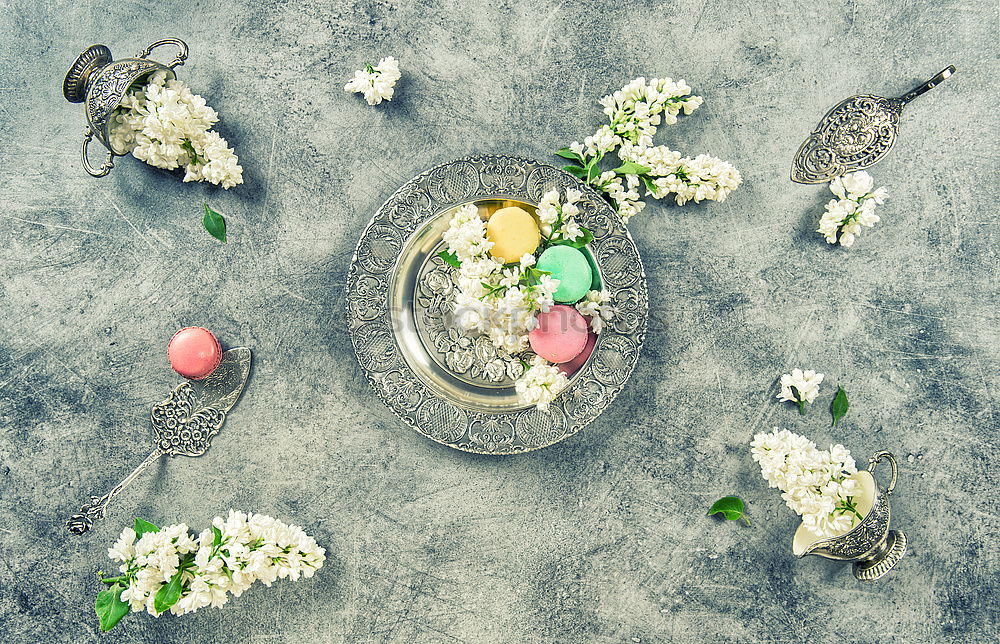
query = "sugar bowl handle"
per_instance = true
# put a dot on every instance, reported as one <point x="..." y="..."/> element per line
<point x="883" y="455"/>
<point x="181" y="55"/>
<point x="91" y="170"/>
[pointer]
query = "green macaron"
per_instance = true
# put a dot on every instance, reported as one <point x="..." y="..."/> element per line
<point x="571" y="268"/>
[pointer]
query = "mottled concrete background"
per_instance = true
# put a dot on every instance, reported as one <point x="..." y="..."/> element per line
<point x="600" y="539"/>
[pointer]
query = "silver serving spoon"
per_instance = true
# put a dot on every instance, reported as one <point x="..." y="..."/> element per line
<point x="184" y="425"/>
<point x="855" y="134"/>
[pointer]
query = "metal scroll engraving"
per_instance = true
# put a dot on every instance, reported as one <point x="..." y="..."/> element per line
<point x="865" y="536"/>
<point x="855" y="134"/>
<point x="101" y="83"/>
<point x="455" y="388"/>
<point x="871" y="545"/>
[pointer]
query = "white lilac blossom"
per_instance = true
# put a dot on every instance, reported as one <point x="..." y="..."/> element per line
<point x="540" y="383"/>
<point x="636" y="109"/>
<point x="634" y="112"/>
<point x="557" y="218"/>
<point x="702" y="178"/>
<point x="815" y="483"/>
<point x="800" y="387"/>
<point x="225" y="559"/>
<point x="853" y="209"/>
<point x="376" y="82"/>
<point x="595" y="306"/>
<point x="164" y="124"/>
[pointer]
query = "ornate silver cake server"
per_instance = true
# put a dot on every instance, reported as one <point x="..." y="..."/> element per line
<point x="184" y="425"/>
<point x="855" y="134"/>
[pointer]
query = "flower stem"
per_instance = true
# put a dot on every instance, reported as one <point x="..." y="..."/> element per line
<point x="849" y="506"/>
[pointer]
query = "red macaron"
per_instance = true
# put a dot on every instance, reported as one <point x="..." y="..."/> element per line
<point x="561" y="334"/>
<point x="194" y="352"/>
<point x="571" y="367"/>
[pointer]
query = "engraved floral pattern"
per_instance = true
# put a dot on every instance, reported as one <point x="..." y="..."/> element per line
<point x="179" y="431"/>
<point x="107" y="90"/>
<point x="855" y="134"/>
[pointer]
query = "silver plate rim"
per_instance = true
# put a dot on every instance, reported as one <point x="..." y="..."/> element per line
<point x="507" y="177"/>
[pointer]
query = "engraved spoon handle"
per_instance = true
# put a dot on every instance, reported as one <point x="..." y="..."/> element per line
<point x="96" y="507"/>
<point x="929" y="85"/>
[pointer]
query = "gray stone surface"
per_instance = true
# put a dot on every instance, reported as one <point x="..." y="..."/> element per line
<point x="603" y="538"/>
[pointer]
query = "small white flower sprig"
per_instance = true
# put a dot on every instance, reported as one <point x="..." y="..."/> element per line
<point x="595" y="306"/>
<point x="558" y="220"/>
<point x="164" y="124"/>
<point x="853" y="209"/>
<point x="376" y="82"/>
<point x="800" y="387"/>
<point x="540" y="383"/>
<point x="814" y="483"/>
<point x="634" y="112"/>
<point x="166" y="569"/>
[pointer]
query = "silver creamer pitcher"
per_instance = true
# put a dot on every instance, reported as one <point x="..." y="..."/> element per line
<point x="100" y="83"/>
<point x="871" y="545"/>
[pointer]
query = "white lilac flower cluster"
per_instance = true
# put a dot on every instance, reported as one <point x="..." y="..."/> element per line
<point x="497" y="300"/>
<point x="164" y="124"/>
<point x="540" y="383"/>
<point x="595" y="306"/>
<point x="814" y="483"/>
<point x="376" y="82"/>
<point x="557" y="221"/>
<point x="800" y="387"/>
<point x="634" y="112"/>
<point x="227" y="558"/>
<point x="853" y="208"/>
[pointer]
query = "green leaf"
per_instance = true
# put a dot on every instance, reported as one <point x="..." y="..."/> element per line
<point x="650" y="186"/>
<point x="630" y="167"/>
<point x="576" y="171"/>
<point x="593" y="170"/>
<point x="839" y="405"/>
<point x="799" y="400"/>
<point x="109" y="607"/>
<point x="450" y="258"/>
<point x="142" y="527"/>
<point x="566" y="153"/>
<point x="168" y="594"/>
<point x="217" y="541"/>
<point x="730" y="507"/>
<point x="215" y="224"/>
<point x="580" y="241"/>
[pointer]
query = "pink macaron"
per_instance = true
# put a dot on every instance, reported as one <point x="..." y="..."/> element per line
<point x="194" y="352"/>
<point x="571" y="367"/>
<point x="561" y="334"/>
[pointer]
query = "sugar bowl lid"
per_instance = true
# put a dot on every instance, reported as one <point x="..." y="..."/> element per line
<point x="75" y="84"/>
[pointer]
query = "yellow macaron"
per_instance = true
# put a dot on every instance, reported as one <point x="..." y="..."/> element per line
<point x="513" y="232"/>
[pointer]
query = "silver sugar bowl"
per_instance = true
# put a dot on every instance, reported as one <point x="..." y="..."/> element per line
<point x="100" y="83"/>
<point x="871" y="545"/>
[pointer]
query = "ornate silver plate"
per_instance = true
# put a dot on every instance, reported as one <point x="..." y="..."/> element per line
<point x="448" y="386"/>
